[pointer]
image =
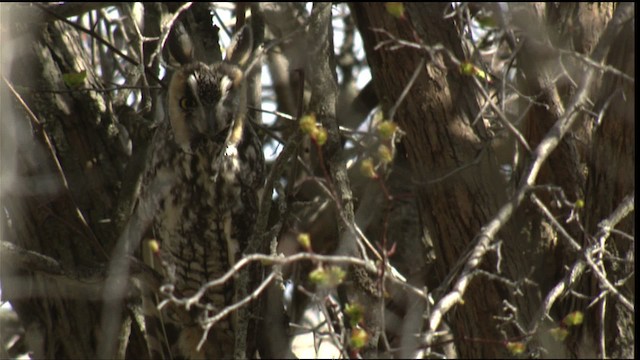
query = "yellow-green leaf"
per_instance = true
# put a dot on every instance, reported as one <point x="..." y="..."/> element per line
<point x="396" y="9"/>
<point x="359" y="338"/>
<point x="154" y="246"/>
<point x="320" y="136"/>
<point x="355" y="312"/>
<point x="367" y="168"/>
<point x="467" y="68"/>
<point x="318" y="276"/>
<point x="481" y="74"/>
<point x="515" y="348"/>
<point x="559" y="333"/>
<point x="74" y="79"/>
<point x="386" y="129"/>
<point x="304" y="239"/>
<point x="336" y="276"/>
<point x="385" y="154"/>
<point x="330" y="277"/>
<point x="573" y="319"/>
<point x="308" y="123"/>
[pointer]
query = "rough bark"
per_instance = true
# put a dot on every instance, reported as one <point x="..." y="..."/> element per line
<point x="437" y="118"/>
<point x="67" y="177"/>
<point x="611" y="178"/>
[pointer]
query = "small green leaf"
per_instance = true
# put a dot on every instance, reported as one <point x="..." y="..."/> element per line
<point x="368" y="169"/>
<point x="559" y="333"/>
<point x="359" y="338"/>
<point x="386" y="129"/>
<point x="396" y="9"/>
<point x="481" y="74"/>
<point x="320" y="136"/>
<point x="336" y="276"/>
<point x="515" y="348"/>
<point x="330" y="277"/>
<point x="318" y="276"/>
<point x="573" y="319"/>
<point x="308" y="124"/>
<point x="467" y="68"/>
<point x="355" y="312"/>
<point x="385" y="154"/>
<point x="304" y="240"/>
<point x="74" y="80"/>
<point x="154" y="246"/>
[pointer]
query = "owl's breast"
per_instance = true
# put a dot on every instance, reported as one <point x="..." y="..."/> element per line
<point x="194" y="220"/>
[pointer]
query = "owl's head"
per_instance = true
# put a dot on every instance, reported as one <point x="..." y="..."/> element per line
<point x="204" y="99"/>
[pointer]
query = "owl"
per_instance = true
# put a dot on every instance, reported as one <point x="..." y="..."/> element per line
<point x="200" y="192"/>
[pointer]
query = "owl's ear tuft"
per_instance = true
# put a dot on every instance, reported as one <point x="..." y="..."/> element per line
<point x="239" y="50"/>
<point x="180" y="44"/>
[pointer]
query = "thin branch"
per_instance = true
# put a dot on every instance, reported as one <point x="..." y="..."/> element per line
<point x="600" y="67"/>
<point x="546" y="212"/>
<point x="405" y="91"/>
<point x="94" y="35"/>
<point x="45" y="138"/>
<point x="233" y="307"/>
<point x="91" y="33"/>
<point x="625" y="208"/>
<point x="501" y="116"/>
<point x="166" y="29"/>
<point x="263" y="259"/>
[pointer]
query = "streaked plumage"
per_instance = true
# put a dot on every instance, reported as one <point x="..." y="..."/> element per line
<point x="200" y="188"/>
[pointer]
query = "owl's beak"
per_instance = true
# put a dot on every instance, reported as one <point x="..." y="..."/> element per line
<point x="210" y="118"/>
<point x="204" y="123"/>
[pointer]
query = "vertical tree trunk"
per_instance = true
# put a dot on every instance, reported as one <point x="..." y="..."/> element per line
<point x="69" y="160"/>
<point x="437" y="116"/>
<point x="611" y="164"/>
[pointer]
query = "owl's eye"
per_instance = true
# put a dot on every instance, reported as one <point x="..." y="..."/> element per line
<point x="187" y="103"/>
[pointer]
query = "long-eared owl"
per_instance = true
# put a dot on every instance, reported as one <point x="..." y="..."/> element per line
<point x="200" y="189"/>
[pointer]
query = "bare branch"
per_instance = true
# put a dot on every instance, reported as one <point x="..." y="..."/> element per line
<point x="166" y="29"/>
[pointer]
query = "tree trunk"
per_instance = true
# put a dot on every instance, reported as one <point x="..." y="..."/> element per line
<point x="437" y="116"/>
<point x="62" y="202"/>
<point x="611" y="179"/>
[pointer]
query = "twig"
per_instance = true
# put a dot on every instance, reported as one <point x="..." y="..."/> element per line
<point x="233" y="307"/>
<point x="405" y="91"/>
<point x="586" y="254"/>
<point x="166" y="29"/>
<point x="501" y="116"/>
